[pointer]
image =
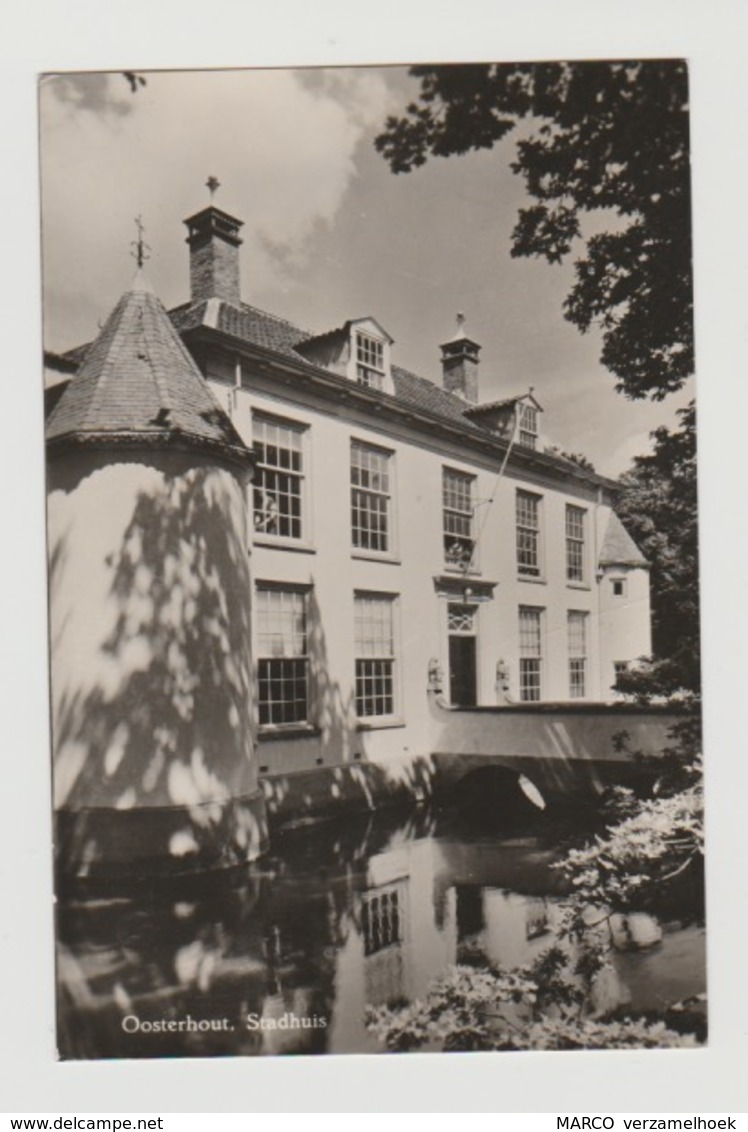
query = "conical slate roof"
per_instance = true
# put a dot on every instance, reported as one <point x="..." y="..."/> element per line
<point x="619" y="549"/>
<point x="139" y="385"/>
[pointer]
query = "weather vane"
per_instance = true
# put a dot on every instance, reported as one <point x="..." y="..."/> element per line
<point x="212" y="184"/>
<point x="140" y="248"/>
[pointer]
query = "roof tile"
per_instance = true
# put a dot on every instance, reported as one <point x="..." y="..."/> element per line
<point x="619" y="549"/>
<point x="138" y="378"/>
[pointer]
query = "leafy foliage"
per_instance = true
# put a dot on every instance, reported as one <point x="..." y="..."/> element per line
<point x="649" y="851"/>
<point x="540" y="1006"/>
<point x="551" y="1002"/>
<point x="591" y="1033"/>
<point x="573" y="457"/>
<point x="609" y="140"/>
<point x="606" y="142"/>
<point x="625" y="868"/>
<point x="602" y="136"/>
<point x="658" y="504"/>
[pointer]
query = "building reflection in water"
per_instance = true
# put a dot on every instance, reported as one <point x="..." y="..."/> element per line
<point x="286" y="957"/>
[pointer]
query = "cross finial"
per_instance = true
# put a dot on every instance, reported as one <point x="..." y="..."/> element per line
<point x="140" y="248"/>
<point x="212" y="184"/>
<point x="460" y="320"/>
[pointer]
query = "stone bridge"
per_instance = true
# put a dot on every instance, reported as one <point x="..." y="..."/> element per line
<point x="497" y="759"/>
<point x="563" y="752"/>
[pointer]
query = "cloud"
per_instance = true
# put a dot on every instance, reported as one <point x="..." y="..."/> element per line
<point x="97" y="92"/>
<point x="622" y="457"/>
<point x="282" y="145"/>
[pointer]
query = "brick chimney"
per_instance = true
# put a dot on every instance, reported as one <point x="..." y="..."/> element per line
<point x="460" y="364"/>
<point x="214" y="255"/>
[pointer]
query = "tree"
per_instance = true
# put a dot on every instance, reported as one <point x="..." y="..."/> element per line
<point x="602" y="136"/>
<point x="649" y="856"/>
<point x="541" y="1006"/>
<point x="610" y="137"/>
<point x="658" y="504"/>
<point x="573" y="457"/>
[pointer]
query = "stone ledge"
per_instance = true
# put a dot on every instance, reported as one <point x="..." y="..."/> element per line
<point x="160" y="840"/>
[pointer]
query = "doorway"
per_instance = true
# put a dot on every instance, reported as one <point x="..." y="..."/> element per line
<point x="463" y="668"/>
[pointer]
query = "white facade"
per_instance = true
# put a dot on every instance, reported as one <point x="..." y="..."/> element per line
<point x="504" y="607"/>
<point x="403" y="534"/>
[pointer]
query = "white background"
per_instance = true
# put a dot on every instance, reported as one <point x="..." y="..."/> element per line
<point x="138" y="34"/>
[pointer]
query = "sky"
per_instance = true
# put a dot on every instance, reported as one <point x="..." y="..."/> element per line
<point x="45" y="35"/>
<point x="329" y="232"/>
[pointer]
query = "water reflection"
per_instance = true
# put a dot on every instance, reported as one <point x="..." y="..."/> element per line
<point x="285" y="957"/>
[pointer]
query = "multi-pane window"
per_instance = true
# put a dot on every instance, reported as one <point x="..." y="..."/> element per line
<point x="370" y="497"/>
<point x="374" y="640"/>
<point x="283" y="661"/>
<point x="382" y="917"/>
<point x="528" y="426"/>
<point x="278" y="485"/>
<point x="528" y="534"/>
<point x="575" y="519"/>
<point x="457" y="507"/>
<point x="530" y="653"/>
<point x="369" y="361"/>
<point x="577" y="631"/>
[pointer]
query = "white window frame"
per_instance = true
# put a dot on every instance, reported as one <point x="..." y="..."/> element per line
<point x="382" y="662"/>
<point x="577" y="621"/>
<point x="576" y="544"/>
<point x="528" y="426"/>
<point x="530" y="535"/>
<point x="531" y="654"/>
<point x="462" y="542"/>
<point x="282" y="651"/>
<point x="383" y="916"/>
<point x="363" y="495"/>
<point x="266" y="511"/>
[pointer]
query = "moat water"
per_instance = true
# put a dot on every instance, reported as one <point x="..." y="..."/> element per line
<point x="286" y="956"/>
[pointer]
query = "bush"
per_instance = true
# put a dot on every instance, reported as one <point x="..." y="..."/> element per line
<point x="650" y="855"/>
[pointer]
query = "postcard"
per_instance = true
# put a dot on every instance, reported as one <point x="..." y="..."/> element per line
<point x="373" y="559"/>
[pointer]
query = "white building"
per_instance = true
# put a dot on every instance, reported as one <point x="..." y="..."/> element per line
<point x="401" y="531"/>
<point x="393" y="527"/>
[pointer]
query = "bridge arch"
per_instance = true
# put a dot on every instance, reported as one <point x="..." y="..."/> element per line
<point x="496" y="794"/>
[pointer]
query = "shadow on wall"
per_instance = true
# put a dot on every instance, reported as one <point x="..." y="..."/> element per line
<point x="261" y="940"/>
<point x="163" y="728"/>
<point x="335" y="713"/>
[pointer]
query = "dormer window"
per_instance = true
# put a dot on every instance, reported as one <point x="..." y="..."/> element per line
<point x="528" y="426"/>
<point x="370" y="369"/>
<point x="360" y="350"/>
<point x="515" y="419"/>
